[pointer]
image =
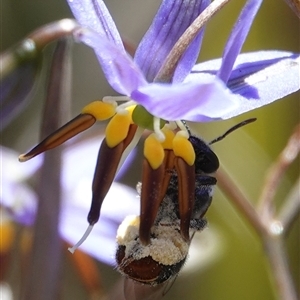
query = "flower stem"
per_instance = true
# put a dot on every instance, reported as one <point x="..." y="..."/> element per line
<point x="43" y="278"/>
<point x="272" y="229"/>
<point x="291" y="208"/>
<point x="274" y="175"/>
<point x="240" y="200"/>
<point x="276" y="256"/>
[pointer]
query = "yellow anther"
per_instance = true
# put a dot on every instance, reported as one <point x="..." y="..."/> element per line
<point x="153" y="151"/>
<point x="183" y="148"/>
<point x="169" y="136"/>
<point x="100" y="110"/>
<point x="117" y="129"/>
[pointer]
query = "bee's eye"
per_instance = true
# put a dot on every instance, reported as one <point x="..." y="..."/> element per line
<point x="208" y="162"/>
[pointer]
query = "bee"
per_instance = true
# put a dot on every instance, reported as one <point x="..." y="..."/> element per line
<point x="161" y="260"/>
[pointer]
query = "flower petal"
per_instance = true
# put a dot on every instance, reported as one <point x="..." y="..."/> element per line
<point x="265" y="83"/>
<point x="119" y="69"/>
<point x="17" y="197"/>
<point x="199" y="101"/>
<point x="171" y="20"/>
<point x="258" y="78"/>
<point x="238" y="37"/>
<point x="93" y="14"/>
<point x="19" y="200"/>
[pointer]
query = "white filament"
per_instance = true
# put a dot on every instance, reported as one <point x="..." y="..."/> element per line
<point x="84" y="237"/>
<point x="158" y="133"/>
<point x="122" y="108"/>
<point x="109" y="99"/>
<point x="182" y="126"/>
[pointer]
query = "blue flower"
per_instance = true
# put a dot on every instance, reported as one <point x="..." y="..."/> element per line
<point x="160" y="92"/>
<point x="136" y="78"/>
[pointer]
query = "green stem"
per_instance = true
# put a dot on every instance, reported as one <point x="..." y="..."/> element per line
<point x="276" y="256"/>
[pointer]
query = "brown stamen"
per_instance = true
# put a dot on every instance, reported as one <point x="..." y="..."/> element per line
<point x="106" y="167"/>
<point x="169" y="167"/>
<point x="64" y="133"/>
<point x="130" y="135"/>
<point x="186" y="194"/>
<point x="150" y="199"/>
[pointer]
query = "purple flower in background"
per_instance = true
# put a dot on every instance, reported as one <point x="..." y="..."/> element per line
<point x="19" y="201"/>
<point x="17" y="197"/>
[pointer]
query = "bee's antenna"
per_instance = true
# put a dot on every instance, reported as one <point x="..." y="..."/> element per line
<point x="243" y="123"/>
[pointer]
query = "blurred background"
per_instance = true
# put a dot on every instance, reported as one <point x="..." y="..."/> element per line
<point x="235" y="268"/>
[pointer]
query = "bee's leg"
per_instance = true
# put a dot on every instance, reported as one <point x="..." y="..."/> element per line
<point x="198" y="224"/>
<point x="203" y="194"/>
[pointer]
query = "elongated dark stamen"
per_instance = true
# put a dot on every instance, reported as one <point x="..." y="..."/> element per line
<point x="107" y="165"/>
<point x="169" y="169"/>
<point x="131" y="133"/>
<point x="150" y="199"/>
<point x="186" y="194"/>
<point x="69" y="130"/>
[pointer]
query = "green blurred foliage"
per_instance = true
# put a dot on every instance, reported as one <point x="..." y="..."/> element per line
<point x="242" y="271"/>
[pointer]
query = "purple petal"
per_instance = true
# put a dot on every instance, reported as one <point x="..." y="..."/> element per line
<point x="171" y="20"/>
<point x="199" y="101"/>
<point x="120" y="70"/>
<point x="238" y="37"/>
<point x="264" y="82"/>
<point x="19" y="201"/>
<point x="93" y="14"/>
<point x="257" y="79"/>
<point x="16" y="197"/>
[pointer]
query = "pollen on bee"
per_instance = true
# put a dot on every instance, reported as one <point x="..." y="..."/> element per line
<point x="128" y="229"/>
<point x="167" y="247"/>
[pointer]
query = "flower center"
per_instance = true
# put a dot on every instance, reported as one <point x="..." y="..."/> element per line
<point x="165" y="149"/>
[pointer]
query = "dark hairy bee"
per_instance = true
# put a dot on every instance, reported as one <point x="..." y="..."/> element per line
<point x="163" y="258"/>
<point x="167" y="252"/>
